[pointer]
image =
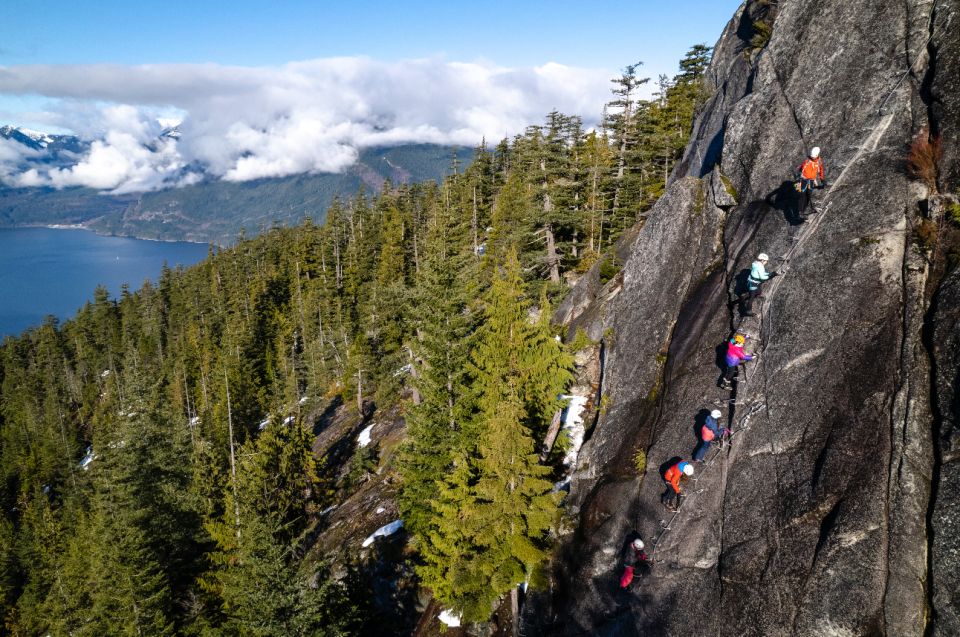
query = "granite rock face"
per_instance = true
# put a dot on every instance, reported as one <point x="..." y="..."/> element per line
<point x="818" y="517"/>
<point x="945" y="517"/>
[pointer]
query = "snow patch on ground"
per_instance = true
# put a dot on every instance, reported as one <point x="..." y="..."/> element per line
<point x="194" y="421"/>
<point x="364" y="438"/>
<point x="573" y="426"/>
<point x="263" y="423"/>
<point x="87" y="459"/>
<point x="384" y="531"/>
<point x="288" y="420"/>
<point x="449" y="618"/>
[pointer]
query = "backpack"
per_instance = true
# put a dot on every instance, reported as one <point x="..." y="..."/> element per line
<point x="707" y="434"/>
<point x="810" y="163"/>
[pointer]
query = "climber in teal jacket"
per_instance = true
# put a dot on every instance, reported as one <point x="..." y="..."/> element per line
<point x="758" y="274"/>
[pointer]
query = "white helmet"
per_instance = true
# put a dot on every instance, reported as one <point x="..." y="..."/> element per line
<point x="815" y="152"/>
<point x="763" y="257"/>
<point x="638" y="544"/>
<point x="688" y="469"/>
<point x="716" y="413"/>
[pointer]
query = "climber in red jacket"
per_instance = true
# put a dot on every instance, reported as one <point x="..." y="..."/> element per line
<point x="810" y="174"/>
<point x="635" y="562"/>
<point x="672" y="478"/>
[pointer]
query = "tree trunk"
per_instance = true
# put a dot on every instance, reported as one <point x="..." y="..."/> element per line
<point x="473" y="221"/>
<point x="360" y="392"/>
<point x="515" y="610"/>
<point x="552" y="431"/>
<point x="233" y="464"/>
<point x="553" y="260"/>
<point x="415" y="393"/>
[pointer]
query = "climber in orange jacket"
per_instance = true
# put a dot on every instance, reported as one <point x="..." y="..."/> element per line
<point x="672" y="478"/>
<point x="811" y="174"/>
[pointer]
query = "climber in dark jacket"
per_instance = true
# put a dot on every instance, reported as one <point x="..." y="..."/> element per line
<point x="635" y="563"/>
<point x="810" y="174"/>
<point x="712" y="430"/>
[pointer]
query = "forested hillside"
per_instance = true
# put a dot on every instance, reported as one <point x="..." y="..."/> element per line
<point x="159" y="474"/>
<point x="219" y="211"/>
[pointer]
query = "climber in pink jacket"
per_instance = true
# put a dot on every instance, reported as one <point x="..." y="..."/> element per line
<point x="735" y="357"/>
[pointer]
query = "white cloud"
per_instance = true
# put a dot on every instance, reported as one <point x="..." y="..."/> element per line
<point x="242" y="123"/>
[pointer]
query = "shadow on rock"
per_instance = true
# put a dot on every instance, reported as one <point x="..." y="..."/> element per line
<point x="785" y="198"/>
<point x="323" y="421"/>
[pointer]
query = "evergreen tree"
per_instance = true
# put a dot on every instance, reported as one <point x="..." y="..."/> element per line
<point x="507" y="504"/>
<point x="436" y="418"/>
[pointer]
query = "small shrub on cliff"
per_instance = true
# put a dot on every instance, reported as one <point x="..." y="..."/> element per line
<point x="953" y="213"/>
<point x="729" y="187"/>
<point x="761" y="35"/>
<point x="925" y="234"/>
<point x="580" y="341"/>
<point x="609" y="268"/>
<point x="923" y="159"/>
<point x="587" y="260"/>
<point x="640" y="461"/>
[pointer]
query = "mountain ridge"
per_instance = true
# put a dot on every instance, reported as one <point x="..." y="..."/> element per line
<point x="212" y="210"/>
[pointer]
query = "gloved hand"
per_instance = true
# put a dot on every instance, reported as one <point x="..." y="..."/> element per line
<point x="773" y="274"/>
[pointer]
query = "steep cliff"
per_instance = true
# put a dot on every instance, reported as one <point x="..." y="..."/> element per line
<point x="841" y="475"/>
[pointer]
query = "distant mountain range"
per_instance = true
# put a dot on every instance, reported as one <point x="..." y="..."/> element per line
<point x="211" y="210"/>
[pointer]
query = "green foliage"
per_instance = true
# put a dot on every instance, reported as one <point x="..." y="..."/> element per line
<point x="218" y="210"/>
<point x="362" y="464"/>
<point x="640" y="461"/>
<point x="200" y="498"/>
<point x="729" y="187"/>
<point x="700" y="197"/>
<point x="761" y="35"/>
<point x="953" y="212"/>
<point x="609" y="268"/>
<point x="496" y="537"/>
<point x="580" y="341"/>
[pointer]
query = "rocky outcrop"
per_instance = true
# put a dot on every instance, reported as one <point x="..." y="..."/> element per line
<point x="945" y="514"/>
<point x="816" y="519"/>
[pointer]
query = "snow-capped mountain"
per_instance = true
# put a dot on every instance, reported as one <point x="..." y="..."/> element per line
<point x="43" y="147"/>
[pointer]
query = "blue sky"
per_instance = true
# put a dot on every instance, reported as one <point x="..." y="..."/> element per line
<point x="599" y="34"/>
<point x="271" y="89"/>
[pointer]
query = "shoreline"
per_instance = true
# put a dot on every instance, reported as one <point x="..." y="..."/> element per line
<point x="80" y="226"/>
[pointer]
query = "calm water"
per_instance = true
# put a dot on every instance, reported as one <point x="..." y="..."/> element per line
<point x="51" y="271"/>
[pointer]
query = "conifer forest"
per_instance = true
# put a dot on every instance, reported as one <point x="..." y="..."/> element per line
<point x="159" y="471"/>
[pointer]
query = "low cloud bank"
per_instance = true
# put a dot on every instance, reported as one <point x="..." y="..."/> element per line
<point x="242" y="123"/>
